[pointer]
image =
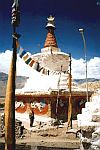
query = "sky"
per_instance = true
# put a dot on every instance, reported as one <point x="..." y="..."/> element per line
<point x="70" y="15"/>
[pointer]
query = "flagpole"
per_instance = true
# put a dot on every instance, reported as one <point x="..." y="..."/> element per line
<point x="70" y="97"/>
<point x="85" y="52"/>
<point x="10" y="141"/>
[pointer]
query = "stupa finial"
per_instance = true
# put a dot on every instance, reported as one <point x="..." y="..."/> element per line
<point x="51" y="22"/>
<point x="50" y="39"/>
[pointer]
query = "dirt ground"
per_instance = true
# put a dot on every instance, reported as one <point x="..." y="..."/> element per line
<point x="56" y="137"/>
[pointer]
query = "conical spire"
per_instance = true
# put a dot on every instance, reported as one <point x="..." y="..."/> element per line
<point x="50" y="39"/>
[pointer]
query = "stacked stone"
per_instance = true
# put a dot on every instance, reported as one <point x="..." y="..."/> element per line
<point x="17" y="127"/>
<point x="2" y="126"/>
<point x="89" y="124"/>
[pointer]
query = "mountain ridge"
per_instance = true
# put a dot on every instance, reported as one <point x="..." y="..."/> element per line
<point x="21" y="80"/>
<point x="80" y="81"/>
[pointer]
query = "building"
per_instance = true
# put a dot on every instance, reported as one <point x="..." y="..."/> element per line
<point x="48" y="90"/>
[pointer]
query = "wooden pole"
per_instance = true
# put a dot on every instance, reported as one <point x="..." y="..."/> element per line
<point x="10" y="104"/>
<point x="10" y="142"/>
<point x="70" y="97"/>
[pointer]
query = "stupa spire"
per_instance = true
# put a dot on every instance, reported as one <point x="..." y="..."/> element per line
<point x="50" y="39"/>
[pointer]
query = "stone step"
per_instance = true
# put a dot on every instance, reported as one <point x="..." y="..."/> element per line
<point x="92" y="106"/>
<point x="84" y="118"/>
<point x="85" y="111"/>
<point x="72" y="133"/>
<point x="96" y="117"/>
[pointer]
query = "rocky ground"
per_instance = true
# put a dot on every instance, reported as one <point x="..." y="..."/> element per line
<point x="93" y="86"/>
